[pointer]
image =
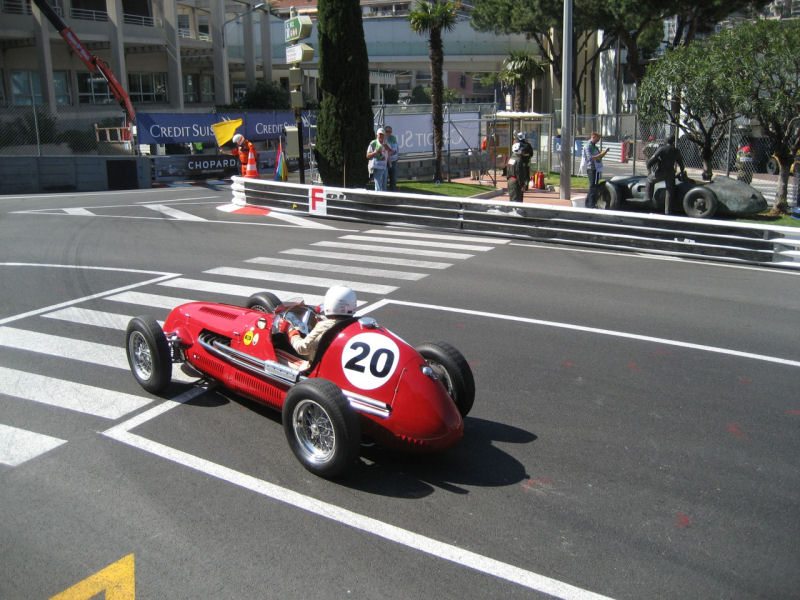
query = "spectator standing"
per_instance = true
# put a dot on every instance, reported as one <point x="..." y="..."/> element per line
<point x="593" y="159"/>
<point x="379" y="153"/>
<point x="391" y="141"/>
<point x="243" y="149"/>
<point x="661" y="167"/>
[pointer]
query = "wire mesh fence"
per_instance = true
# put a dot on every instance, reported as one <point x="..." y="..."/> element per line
<point x="35" y="131"/>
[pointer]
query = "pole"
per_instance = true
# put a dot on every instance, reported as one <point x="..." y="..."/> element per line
<point x="566" y="103"/>
<point x="299" y="123"/>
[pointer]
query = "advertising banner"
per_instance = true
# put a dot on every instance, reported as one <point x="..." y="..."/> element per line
<point x="183" y="128"/>
<point x="415" y="132"/>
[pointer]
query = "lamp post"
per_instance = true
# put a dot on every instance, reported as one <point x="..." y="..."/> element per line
<point x="263" y="6"/>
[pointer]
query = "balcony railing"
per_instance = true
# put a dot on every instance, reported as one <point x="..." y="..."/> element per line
<point x="141" y="20"/>
<point x="23" y="7"/>
<point x="88" y="15"/>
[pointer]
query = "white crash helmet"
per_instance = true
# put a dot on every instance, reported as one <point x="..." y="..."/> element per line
<point x="520" y="135"/>
<point x="339" y="301"/>
<point x="238" y="138"/>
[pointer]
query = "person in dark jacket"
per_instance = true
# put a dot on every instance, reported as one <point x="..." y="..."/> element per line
<point x="661" y="167"/>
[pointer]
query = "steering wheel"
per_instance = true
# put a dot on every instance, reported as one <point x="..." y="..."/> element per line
<point x="298" y="317"/>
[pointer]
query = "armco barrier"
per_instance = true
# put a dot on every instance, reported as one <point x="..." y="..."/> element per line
<point x="638" y="232"/>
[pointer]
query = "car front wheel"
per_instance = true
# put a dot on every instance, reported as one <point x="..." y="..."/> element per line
<point x="699" y="203"/>
<point x="453" y="371"/>
<point x="323" y="432"/>
<point x="265" y="302"/>
<point x="148" y="354"/>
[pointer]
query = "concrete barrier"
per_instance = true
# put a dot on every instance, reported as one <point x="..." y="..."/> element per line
<point x="651" y="233"/>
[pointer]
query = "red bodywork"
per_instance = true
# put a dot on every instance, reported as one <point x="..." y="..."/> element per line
<point x="380" y="374"/>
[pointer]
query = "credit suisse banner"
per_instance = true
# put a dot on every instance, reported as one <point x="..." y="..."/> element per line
<point x="415" y="132"/>
<point x="182" y="128"/>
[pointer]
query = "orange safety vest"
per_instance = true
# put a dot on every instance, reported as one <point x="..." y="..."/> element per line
<point x="243" y="152"/>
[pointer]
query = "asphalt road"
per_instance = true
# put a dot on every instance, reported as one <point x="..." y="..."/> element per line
<point x="634" y="435"/>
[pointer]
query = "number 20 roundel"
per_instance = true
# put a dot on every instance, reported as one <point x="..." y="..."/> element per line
<point x="369" y="360"/>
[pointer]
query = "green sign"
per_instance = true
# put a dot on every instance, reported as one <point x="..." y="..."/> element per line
<point x="297" y="28"/>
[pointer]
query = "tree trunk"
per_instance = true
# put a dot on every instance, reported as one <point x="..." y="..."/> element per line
<point x="437" y="60"/>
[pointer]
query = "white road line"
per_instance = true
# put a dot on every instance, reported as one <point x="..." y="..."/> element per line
<point x="343" y="516"/>
<point x="64" y="347"/>
<point x="369" y="238"/>
<point x="296" y="220"/>
<point x="241" y="291"/>
<point x="609" y="332"/>
<point x="87" y="316"/>
<point x="173" y="212"/>
<point x="336" y="268"/>
<point x="149" y="300"/>
<point x="436" y="236"/>
<point x="370" y="258"/>
<point x="295" y="279"/>
<point x="384" y="249"/>
<point x="86" y="399"/>
<point x="19" y="445"/>
<point x="78" y="211"/>
<point x="46" y="309"/>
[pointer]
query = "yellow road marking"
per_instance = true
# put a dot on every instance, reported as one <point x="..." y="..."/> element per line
<point x="117" y="580"/>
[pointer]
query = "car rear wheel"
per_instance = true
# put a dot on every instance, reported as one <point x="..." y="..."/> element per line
<point x="323" y="432"/>
<point x="265" y="302"/>
<point x="773" y="166"/>
<point x="700" y="203"/>
<point x="148" y="354"/>
<point x="609" y="198"/>
<point x="453" y="371"/>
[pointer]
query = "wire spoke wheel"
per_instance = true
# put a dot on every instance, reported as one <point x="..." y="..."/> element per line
<point x="314" y="430"/>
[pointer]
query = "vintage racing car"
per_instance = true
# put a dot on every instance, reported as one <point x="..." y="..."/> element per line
<point x="364" y="381"/>
<point x="722" y="195"/>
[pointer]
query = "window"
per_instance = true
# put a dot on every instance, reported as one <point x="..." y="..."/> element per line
<point x="191" y="88"/>
<point x="61" y="88"/>
<point x="207" y="89"/>
<point x="26" y="89"/>
<point x="147" y="88"/>
<point x="93" y="89"/>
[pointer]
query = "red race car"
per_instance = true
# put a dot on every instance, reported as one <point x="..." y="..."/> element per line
<point x="362" y="381"/>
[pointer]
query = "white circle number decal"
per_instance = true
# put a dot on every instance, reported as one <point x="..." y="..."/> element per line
<point x="369" y="359"/>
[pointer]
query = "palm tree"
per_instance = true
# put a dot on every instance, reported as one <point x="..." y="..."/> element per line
<point x="518" y="69"/>
<point x="433" y="18"/>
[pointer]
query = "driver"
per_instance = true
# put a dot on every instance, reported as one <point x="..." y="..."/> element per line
<point x="339" y="303"/>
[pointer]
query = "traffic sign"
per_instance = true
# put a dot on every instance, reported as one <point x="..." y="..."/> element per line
<point x="297" y="28"/>
<point x="299" y="53"/>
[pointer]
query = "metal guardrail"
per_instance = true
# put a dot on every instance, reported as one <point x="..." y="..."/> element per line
<point x="635" y="232"/>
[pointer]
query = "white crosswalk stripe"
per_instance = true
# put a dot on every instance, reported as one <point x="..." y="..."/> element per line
<point x="370" y="258"/>
<point x="19" y="445"/>
<point x="384" y="249"/>
<point x="69" y="395"/>
<point x="334" y="268"/>
<point x="398" y="256"/>
<point x="325" y="282"/>
<point x="173" y="213"/>
<point x="421" y="243"/>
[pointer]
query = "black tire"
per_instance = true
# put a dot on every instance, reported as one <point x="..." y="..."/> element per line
<point x="265" y="302"/>
<point x="609" y="197"/>
<point x="323" y="432"/>
<point x="699" y="203"/>
<point x="453" y="370"/>
<point x="148" y="354"/>
<point x="773" y="166"/>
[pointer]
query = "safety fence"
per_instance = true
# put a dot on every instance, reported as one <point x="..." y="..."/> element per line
<point x="655" y="234"/>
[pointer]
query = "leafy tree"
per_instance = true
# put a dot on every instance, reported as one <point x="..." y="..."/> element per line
<point x="765" y="61"/>
<point x="420" y="95"/>
<point x="518" y="69"/>
<point x="265" y="95"/>
<point x="433" y="18"/>
<point x="391" y="95"/>
<point x="638" y="26"/>
<point x="699" y="76"/>
<point x="345" y="121"/>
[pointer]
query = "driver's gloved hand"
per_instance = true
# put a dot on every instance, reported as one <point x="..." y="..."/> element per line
<point x="283" y="326"/>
